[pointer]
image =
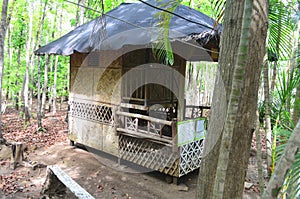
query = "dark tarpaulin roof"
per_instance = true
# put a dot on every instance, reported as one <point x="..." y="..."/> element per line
<point x="133" y="24"/>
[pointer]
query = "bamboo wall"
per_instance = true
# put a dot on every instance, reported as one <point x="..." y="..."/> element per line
<point x="94" y="95"/>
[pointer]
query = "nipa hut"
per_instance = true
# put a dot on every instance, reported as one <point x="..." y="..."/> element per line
<point x="123" y="100"/>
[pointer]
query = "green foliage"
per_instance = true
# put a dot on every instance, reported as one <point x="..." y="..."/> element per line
<point x="162" y="48"/>
<point x="280" y="29"/>
<point x="283" y="126"/>
<point x="291" y="187"/>
<point x="285" y="91"/>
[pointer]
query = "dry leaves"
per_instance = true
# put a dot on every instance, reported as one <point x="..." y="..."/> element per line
<point x="14" y="130"/>
<point x="54" y="126"/>
<point x="14" y="182"/>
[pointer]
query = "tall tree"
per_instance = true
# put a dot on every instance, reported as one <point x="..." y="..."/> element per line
<point x="39" y="111"/>
<point x="244" y="122"/>
<point x="28" y="60"/>
<point x="233" y="104"/>
<point x="267" y="115"/>
<point x="2" y="39"/>
<point x="45" y="87"/>
<point x="56" y="65"/>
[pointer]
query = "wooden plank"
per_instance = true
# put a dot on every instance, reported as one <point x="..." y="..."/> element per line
<point x="193" y="106"/>
<point x="132" y="98"/>
<point x="73" y="186"/>
<point x="134" y="106"/>
<point x="144" y="117"/>
<point x="167" y="142"/>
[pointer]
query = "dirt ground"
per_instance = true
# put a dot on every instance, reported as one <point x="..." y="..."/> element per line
<point x="99" y="174"/>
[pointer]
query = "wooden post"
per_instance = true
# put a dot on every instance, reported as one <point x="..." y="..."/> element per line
<point x="148" y="126"/>
<point x="125" y="122"/>
<point x="160" y="131"/>
<point x="136" y="124"/>
<point x="184" y="109"/>
<point x="174" y="135"/>
<point x="116" y="119"/>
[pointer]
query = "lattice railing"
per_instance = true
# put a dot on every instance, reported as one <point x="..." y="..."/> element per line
<point x="192" y="112"/>
<point x="99" y="112"/>
<point x="149" y="154"/>
<point x="190" y="156"/>
<point x="146" y="127"/>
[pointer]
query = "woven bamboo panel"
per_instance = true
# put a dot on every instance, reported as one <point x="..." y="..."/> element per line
<point x="110" y="140"/>
<point x="107" y="85"/>
<point x="190" y="156"/>
<point x="92" y="134"/>
<point x="86" y="132"/>
<point x="77" y="59"/>
<point x="92" y="124"/>
<point x="83" y="81"/>
<point x="73" y="74"/>
<point x="149" y="154"/>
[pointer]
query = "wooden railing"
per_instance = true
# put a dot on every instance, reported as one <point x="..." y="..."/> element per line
<point x="143" y="126"/>
<point x="191" y="111"/>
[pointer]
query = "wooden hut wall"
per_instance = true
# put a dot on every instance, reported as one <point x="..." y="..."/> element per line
<point x="94" y="95"/>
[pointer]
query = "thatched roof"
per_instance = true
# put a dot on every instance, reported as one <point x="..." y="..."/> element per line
<point x="135" y="24"/>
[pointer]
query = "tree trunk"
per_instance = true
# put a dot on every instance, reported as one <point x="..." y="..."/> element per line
<point x="51" y="86"/>
<point x="232" y="110"/>
<point x="55" y="69"/>
<point x="296" y="113"/>
<point x="81" y="16"/>
<point x="26" y="85"/>
<point x="3" y="28"/>
<point x="261" y="181"/>
<point x="9" y="63"/>
<point x="273" y="80"/>
<point x="54" y="84"/>
<point x="39" y="110"/>
<point x="284" y="164"/>
<point x="18" y="97"/>
<point x="77" y="13"/>
<point x="9" y="51"/>
<point x="17" y="155"/>
<point x="245" y="124"/>
<point x="45" y="88"/>
<point x="267" y="116"/>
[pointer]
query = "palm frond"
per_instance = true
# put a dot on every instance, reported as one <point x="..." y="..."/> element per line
<point x="162" y="48"/>
<point x="218" y="7"/>
<point x="284" y="91"/>
<point x="280" y="29"/>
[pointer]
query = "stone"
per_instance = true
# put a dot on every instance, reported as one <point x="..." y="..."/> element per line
<point x="248" y="185"/>
<point x="182" y="187"/>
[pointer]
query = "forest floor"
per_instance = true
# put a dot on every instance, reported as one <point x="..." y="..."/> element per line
<point x="100" y="174"/>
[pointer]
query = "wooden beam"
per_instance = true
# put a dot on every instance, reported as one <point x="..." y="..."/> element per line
<point x="55" y="172"/>
<point x="167" y="142"/>
<point x="144" y="117"/>
<point x="134" y="106"/>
